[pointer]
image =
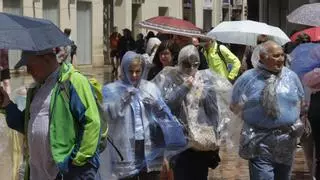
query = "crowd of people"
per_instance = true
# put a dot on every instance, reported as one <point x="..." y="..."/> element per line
<point x="168" y="113"/>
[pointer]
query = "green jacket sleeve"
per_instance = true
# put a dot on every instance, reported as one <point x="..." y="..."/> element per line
<point x="85" y="110"/>
<point x="231" y="59"/>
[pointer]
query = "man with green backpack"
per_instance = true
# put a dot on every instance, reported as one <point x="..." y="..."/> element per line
<point x="62" y="123"/>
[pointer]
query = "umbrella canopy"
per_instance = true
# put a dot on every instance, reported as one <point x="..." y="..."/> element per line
<point x="171" y="25"/>
<point x="246" y="32"/>
<point x="305" y="58"/>
<point x="307" y="14"/>
<point x="32" y="34"/>
<point x="314" y="34"/>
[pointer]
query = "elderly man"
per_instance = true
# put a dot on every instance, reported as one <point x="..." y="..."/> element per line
<point x="269" y="98"/>
<point x="61" y="123"/>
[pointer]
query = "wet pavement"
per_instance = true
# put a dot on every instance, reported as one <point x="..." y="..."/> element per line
<point x="231" y="168"/>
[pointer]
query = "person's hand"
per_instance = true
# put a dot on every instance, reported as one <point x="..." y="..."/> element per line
<point x="307" y="126"/>
<point x="166" y="172"/>
<point x="189" y="81"/>
<point x="4" y="98"/>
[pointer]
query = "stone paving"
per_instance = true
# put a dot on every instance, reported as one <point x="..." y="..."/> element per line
<point x="235" y="168"/>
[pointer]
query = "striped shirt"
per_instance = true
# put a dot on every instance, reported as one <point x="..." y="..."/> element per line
<point x="42" y="165"/>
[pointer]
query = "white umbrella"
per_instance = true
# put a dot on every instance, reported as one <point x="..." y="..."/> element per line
<point x="246" y="32"/>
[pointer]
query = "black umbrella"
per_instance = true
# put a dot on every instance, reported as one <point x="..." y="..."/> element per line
<point x="32" y="34"/>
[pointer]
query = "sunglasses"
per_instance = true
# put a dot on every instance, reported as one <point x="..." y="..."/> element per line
<point x="186" y="64"/>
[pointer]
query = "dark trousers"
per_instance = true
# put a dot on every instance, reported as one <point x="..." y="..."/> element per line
<point x="314" y="118"/>
<point x="193" y="165"/>
<point x="86" y="172"/>
<point x="143" y="175"/>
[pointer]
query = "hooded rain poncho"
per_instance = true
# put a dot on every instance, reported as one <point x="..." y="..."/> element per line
<point x="138" y="114"/>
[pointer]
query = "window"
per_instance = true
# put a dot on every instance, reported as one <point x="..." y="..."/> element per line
<point x="51" y="11"/>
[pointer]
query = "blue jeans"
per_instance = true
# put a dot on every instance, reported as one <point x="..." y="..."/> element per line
<point x="265" y="169"/>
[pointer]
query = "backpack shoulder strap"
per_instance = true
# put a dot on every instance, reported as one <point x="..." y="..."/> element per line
<point x="64" y="89"/>
<point x="221" y="55"/>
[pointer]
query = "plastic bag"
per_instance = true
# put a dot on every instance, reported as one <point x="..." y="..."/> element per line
<point x="305" y="58"/>
<point x="11" y="149"/>
<point x="19" y="97"/>
<point x="203" y="108"/>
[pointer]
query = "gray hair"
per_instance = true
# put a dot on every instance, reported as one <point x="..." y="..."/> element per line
<point x="264" y="48"/>
<point x="188" y="53"/>
<point x="263" y="51"/>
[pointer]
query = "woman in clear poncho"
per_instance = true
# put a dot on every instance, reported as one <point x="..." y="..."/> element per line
<point x="199" y="100"/>
<point x="140" y="123"/>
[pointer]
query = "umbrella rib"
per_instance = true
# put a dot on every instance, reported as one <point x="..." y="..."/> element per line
<point x="147" y="24"/>
<point x="173" y="31"/>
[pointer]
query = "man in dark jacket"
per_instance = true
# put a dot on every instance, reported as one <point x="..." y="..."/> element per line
<point x="4" y="70"/>
<point x="126" y="43"/>
<point x="182" y="41"/>
<point x="203" y="60"/>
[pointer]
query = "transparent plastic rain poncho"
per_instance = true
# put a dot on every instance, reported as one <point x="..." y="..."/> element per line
<point x="269" y="105"/>
<point x="203" y="109"/>
<point x="305" y="58"/>
<point x="11" y="149"/>
<point x="138" y="113"/>
<point x="151" y="49"/>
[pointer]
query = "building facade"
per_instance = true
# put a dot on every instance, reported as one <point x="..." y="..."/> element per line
<point x="275" y="12"/>
<point x="203" y="13"/>
<point x="83" y="17"/>
<point x="234" y="10"/>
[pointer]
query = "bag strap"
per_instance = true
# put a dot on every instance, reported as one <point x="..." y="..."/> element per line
<point x="115" y="148"/>
<point x="64" y="89"/>
<point x="221" y="55"/>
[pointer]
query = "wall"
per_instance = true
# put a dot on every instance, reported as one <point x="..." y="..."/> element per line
<point x="275" y="12"/>
<point x="217" y="12"/>
<point x="97" y="33"/>
<point x="199" y="13"/>
<point x="122" y="14"/>
<point x="68" y="19"/>
<point x="150" y="9"/>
